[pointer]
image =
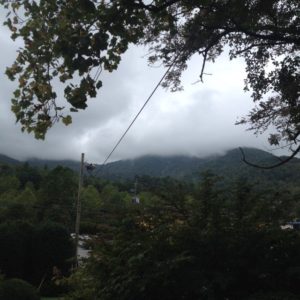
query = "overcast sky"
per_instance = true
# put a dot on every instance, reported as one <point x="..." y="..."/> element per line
<point x="197" y="121"/>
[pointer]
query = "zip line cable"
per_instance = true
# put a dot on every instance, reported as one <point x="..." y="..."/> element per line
<point x="140" y="111"/>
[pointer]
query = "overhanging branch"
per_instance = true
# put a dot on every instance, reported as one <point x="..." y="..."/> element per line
<point x="282" y="162"/>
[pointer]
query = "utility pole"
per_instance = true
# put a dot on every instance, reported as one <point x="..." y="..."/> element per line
<point x="78" y="209"/>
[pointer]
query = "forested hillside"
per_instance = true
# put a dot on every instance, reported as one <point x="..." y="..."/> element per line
<point x="229" y="165"/>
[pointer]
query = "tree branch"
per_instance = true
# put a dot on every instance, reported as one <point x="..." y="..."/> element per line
<point x="282" y="162"/>
<point x="203" y="64"/>
<point x="258" y="45"/>
<point x="274" y="36"/>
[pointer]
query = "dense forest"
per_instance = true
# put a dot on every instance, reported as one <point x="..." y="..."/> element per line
<point x="209" y="238"/>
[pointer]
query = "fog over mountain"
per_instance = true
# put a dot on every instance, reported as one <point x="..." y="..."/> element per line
<point x="229" y="166"/>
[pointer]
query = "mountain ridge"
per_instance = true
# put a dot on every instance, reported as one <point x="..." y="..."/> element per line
<point x="180" y="166"/>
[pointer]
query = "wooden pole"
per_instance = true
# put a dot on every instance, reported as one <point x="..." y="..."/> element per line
<point x="78" y="210"/>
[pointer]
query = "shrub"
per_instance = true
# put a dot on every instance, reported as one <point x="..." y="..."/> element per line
<point x="17" y="289"/>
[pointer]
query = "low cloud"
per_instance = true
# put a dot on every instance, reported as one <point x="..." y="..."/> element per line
<point x="198" y="121"/>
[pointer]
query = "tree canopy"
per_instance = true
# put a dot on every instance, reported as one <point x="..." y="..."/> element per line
<point x="64" y="39"/>
<point x="208" y="242"/>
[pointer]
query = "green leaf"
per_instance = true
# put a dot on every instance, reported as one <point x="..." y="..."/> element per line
<point x="17" y="93"/>
<point x="67" y="120"/>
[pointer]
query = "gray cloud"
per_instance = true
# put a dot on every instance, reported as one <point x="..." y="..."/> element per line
<point x="198" y="121"/>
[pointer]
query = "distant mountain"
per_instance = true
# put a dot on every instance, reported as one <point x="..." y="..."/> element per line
<point x="40" y="163"/>
<point x="228" y="165"/>
<point x="8" y="160"/>
<point x="184" y="167"/>
<point x="51" y="164"/>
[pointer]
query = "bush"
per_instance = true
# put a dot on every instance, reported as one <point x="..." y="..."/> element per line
<point x="17" y="289"/>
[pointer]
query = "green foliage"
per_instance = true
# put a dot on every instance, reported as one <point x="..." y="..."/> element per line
<point x="8" y="183"/>
<point x="91" y="202"/>
<point x="32" y="245"/>
<point x="214" y="244"/>
<point x="17" y="289"/>
<point x="18" y="206"/>
<point x="209" y="240"/>
<point x="82" y="285"/>
<point x="52" y="247"/>
<point x="15" y="251"/>
<point x="27" y="174"/>
<point x="30" y="252"/>
<point x="58" y="193"/>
